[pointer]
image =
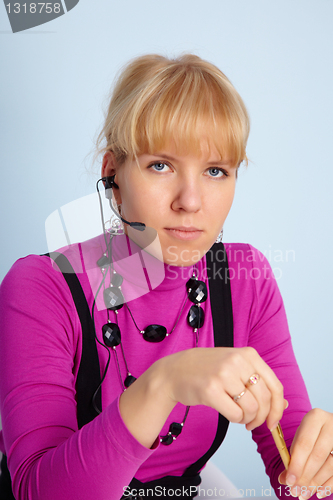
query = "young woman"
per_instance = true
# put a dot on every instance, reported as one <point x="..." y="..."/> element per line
<point x="186" y="334"/>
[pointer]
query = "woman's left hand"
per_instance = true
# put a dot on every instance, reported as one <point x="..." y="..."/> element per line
<point x="311" y="465"/>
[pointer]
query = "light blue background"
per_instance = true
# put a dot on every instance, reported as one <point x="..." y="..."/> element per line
<point x="278" y="54"/>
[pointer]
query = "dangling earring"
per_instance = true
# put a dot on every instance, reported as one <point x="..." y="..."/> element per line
<point x="220" y="236"/>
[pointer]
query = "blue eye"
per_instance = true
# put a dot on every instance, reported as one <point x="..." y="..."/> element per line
<point x="215" y="171"/>
<point x="159" y="166"/>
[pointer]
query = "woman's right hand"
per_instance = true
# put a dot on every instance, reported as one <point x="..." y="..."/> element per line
<point x="213" y="376"/>
<point x="203" y="376"/>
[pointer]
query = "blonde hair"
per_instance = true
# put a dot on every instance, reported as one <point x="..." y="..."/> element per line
<point x="157" y="100"/>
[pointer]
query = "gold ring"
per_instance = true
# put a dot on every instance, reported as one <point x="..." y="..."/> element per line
<point x="254" y="379"/>
<point x="237" y="398"/>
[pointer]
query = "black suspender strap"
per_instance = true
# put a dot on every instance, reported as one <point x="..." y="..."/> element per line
<point x="6" y="492"/>
<point x="89" y="376"/>
<point x="220" y="295"/>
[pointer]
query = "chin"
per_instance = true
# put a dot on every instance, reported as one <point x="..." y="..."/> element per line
<point x="181" y="257"/>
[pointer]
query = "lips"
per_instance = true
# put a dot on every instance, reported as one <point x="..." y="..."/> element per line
<point x="184" y="228"/>
<point x="184" y="232"/>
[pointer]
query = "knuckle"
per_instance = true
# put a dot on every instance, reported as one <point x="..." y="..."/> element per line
<point x="319" y="454"/>
<point x="253" y="406"/>
<point x="250" y="351"/>
<point x="237" y="415"/>
<point x="304" y="443"/>
<point x="278" y="388"/>
<point x="211" y="389"/>
<point x="235" y="358"/>
<point x="223" y="373"/>
<point x="257" y="422"/>
<point x="296" y="467"/>
<point x="266" y="397"/>
<point x="315" y="413"/>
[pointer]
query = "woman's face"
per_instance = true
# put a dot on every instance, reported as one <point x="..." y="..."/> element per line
<point x="185" y="198"/>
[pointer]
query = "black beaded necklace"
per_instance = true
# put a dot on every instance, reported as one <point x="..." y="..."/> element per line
<point x="196" y="292"/>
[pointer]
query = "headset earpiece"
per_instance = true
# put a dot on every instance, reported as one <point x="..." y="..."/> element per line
<point x="108" y="184"/>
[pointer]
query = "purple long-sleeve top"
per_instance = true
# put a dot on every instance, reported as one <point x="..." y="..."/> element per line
<point x="48" y="457"/>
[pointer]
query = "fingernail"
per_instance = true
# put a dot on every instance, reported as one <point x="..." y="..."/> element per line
<point x="286" y="404"/>
<point x="291" y="480"/>
<point x="320" y="495"/>
<point x="279" y="478"/>
<point x="274" y="426"/>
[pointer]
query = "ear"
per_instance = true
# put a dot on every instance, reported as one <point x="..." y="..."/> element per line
<point x="108" y="164"/>
<point x="109" y="168"/>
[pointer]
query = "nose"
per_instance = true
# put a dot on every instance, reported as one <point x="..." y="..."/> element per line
<point x="187" y="194"/>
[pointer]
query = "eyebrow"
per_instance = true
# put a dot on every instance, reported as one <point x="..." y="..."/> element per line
<point x="171" y="158"/>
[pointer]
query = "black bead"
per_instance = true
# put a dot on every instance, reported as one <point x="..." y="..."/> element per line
<point x="155" y="333"/>
<point x="191" y="283"/>
<point x="167" y="439"/>
<point x="196" y="317"/>
<point x="111" y="334"/>
<point x="175" y="428"/>
<point x="113" y="298"/>
<point x="116" y="280"/>
<point x="129" y="380"/>
<point x="198" y="291"/>
<point x="104" y="261"/>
